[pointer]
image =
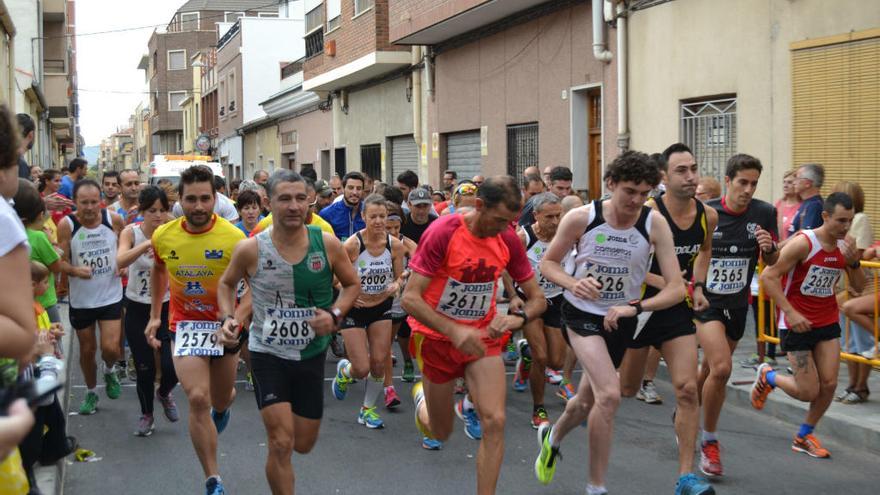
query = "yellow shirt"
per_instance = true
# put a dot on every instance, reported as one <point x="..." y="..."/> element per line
<point x="195" y="263"/>
<point x="316" y="220"/>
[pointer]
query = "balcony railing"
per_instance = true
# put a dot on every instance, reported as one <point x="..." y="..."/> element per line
<point x="315" y="43"/>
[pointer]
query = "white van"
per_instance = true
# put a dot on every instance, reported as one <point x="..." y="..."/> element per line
<point x="170" y="166"/>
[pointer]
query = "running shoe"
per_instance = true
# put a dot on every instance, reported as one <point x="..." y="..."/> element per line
<point x="336" y="346"/>
<point x="214" y="487"/>
<point x="510" y="352"/>
<point x="89" y="404"/>
<point x="391" y="398"/>
<point x="810" y="445"/>
<point x="545" y="464"/>
<point x="145" y="426"/>
<point x="565" y="391"/>
<point x="169" y="407"/>
<point x="854" y="397"/>
<point x="472" y="427"/>
<point x="409" y="374"/>
<point x="131" y="369"/>
<point x="843" y="394"/>
<point x="221" y="419"/>
<point x="429" y="443"/>
<point x="710" y="459"/>
<point x="554" y="377"/>
<point x="418" y="396"/>
<point x="539" y="417"/>
<point x="691" y="484"/>
<point x="369" y="418"/>
<point x="111" y="384"/>
<point x="648" y="393"/>
<point x="339" y="386"/>
<point x="761" y="388"/>
<point x="249" y="382"/>
<point x="751" y="362"/>
<point x="523" y="365"/>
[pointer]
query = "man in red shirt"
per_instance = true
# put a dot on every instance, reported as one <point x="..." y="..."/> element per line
<point x="457" y="332"/>
<point x="810" y="264"/>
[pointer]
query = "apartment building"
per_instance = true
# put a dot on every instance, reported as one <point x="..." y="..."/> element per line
<point x="787" y="82"/>
<point x="367" y="81"/>
<point x="194" y="27"/>
<point x="510" y="84"/>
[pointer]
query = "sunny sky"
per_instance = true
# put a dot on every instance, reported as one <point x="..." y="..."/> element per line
<point x="110" y="84"/>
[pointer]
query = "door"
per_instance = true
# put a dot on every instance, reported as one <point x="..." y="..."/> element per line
<point x="404" y="156"/>
<point x="339" y="159"/>
<point x="371" y="160"/>
<point x="594" y="149"/>
<point x="463" y="154"/>
<point x="325" y="164"/>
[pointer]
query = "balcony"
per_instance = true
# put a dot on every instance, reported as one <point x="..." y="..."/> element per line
<point x="56" y="92"/>
<point x="54" y="10"/>
<point x="441" y="23"/>
<point x="363" y="69"/>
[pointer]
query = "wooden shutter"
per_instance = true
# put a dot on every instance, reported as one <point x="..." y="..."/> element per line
<point x="836" y="111"/>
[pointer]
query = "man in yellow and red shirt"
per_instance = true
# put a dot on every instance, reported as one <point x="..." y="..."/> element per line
<point x="191" y="253"/>
<point x="457" y="332"/>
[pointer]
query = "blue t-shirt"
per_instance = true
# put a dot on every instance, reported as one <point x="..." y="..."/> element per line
<point x="66" y="188"/>
<point x="247" y="233"/>
<point x="808" y="216"/>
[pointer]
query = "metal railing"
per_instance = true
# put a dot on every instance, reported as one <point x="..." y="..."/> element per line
<point x="315" y="43"/>
<point x="771" y="335"/>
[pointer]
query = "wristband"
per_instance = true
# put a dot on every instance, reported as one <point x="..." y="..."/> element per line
<point x="772" y="249"/>
<point x="856" y="265"/>
<point x="700" y="285"/>
<point x="521" y="313"/>
<point x="638" y="305"/>
<point x="334" y="313"/>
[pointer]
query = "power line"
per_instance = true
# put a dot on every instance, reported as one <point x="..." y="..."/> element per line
<point x="138" y="28"/>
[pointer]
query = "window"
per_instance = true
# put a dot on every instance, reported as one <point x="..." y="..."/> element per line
<point x="315" y="43"/>
<point x="222" y="91"/>
<point x="522" y="148"/>
<point x="315" y="18"/>
<point x="371" y="160"/>
<point x="334" y="10"/>
<point x="189" y="21"/>
<point x="174" y="99"/>
<point x="176" y="59"/>
<point x="708" y="126"/>
<point x="362" y="5"/>
<point x="233" y="16"/>
<point x="232" y="92"/>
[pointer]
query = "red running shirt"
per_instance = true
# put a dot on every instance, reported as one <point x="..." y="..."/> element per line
<point x="464" y="271"/>
<point x="809" y="286"/>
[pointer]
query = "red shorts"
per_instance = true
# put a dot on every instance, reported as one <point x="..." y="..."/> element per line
<point x="441" y="362"/>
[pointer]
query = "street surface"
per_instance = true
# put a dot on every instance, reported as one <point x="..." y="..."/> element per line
<point x="350" y="459"/>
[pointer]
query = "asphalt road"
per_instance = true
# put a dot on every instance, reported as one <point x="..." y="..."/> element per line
<point x="350" y="459"/>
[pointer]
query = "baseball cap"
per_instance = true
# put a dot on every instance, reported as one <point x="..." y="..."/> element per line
<point x="322" y="188"/>
<point x="420" y="196"/>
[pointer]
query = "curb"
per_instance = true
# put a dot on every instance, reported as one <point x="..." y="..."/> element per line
<point x="843" y="430"/>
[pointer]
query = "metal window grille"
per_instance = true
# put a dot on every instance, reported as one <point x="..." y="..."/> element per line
<point x="709" y="128"/>
<point x="522" y="148"/>
<point x="315" y="43"/>
<point x="371" y="160"/>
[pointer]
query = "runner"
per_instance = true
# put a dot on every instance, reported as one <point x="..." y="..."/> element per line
<point x="399" y="326"/>
<point x="811" y="264"/>
<point x="127" y="204"/>
<point x="613" y="240"/>
<point x="544" y="345"/>
<point x="191" y="252"/>
<point x="293" y="317"/>
<point x="88" y="238"/>
<point x="135" y="253"/>
<point x="378" y="259"/>
<point x="450" y="297"/>
<point x="672" y="330"/>
<point x="746" y="228"/>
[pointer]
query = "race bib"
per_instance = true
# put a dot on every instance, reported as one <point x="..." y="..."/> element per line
<point x="820" y="281"/>
<point x="141" y="282"/>
<point x="196" y="338"/>
<point x="287" y="330"/>
<point x="727" y="275"/>
<point x="375" y="283"/>
<point x="98" y="260"/>
<point x="550" y="289"/>
<point x="469" y="302"/>
<point x="614" y="281"/>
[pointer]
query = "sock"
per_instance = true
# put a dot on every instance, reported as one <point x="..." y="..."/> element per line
<point x="466" y="403"/>
<point x="596" y="490"/>
<point x="771" y="378"/>
<point x="536" y="407"/>
<point x="216" y="477"/>
<point x="374" y="387"/>
<point x="709" y="436"/>
<point x="551" y="438"/>
<point x="805" y="430"/>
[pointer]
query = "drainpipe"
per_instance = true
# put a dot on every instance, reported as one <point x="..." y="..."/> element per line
<point x="429" y="73"/>
<point x="416" y="78"/>
<point x="622" y="104"/>
<point x="600" y="49"/>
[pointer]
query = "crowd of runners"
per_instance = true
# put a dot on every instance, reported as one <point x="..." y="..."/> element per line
<point x="287" y="268"/>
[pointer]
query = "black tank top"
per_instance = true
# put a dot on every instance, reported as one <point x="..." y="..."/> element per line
<point x="687" y="242"/>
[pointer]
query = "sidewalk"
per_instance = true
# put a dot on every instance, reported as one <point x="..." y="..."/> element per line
<point x="855" y="425"/>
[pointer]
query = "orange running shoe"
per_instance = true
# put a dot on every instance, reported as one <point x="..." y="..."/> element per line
<point x="810" y="445"/>
<point x="761" y="388"/>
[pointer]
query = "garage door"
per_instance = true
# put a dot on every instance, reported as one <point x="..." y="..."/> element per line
<point x="463" y="154"/>
<point x="404" y="156"/>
